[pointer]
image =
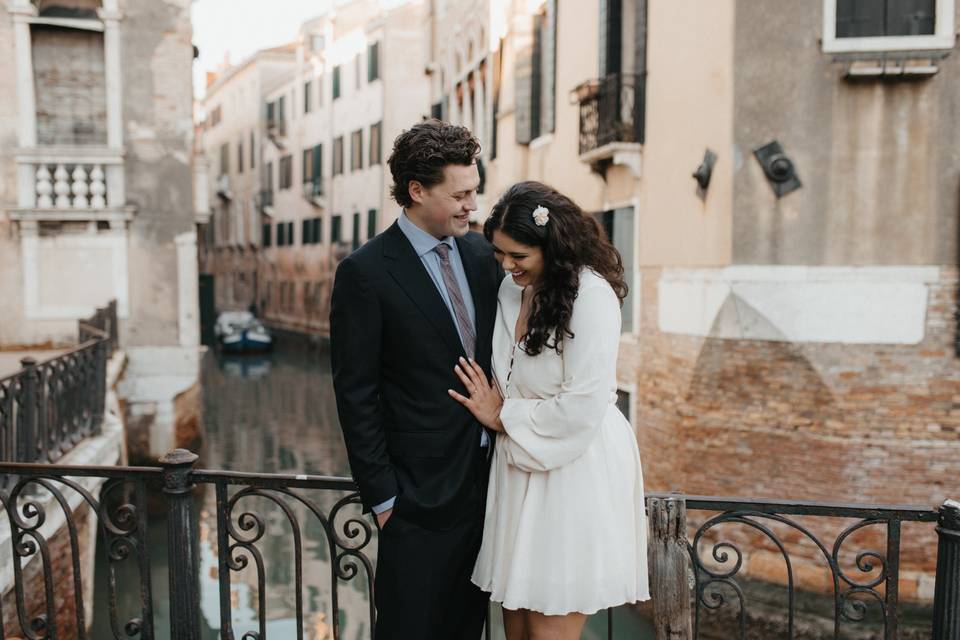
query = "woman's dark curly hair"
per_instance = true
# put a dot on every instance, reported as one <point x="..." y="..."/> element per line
<point x="421" y="152"/>
<point x="570" y="240"/>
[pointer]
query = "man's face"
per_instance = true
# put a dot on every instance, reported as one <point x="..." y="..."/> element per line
<point x="444" y="209"/>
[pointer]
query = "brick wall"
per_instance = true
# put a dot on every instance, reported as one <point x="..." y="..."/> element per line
<point x="827" y="422"/>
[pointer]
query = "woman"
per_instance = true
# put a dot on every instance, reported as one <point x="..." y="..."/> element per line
<point x="565" y="530"/>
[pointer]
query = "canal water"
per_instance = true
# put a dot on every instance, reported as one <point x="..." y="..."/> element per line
<point x="274" y="414"/>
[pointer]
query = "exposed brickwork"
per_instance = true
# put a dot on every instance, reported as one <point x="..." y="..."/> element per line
<point x="827" y="422"/>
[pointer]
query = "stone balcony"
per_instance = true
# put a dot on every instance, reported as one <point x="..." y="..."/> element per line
<point x="60" y="184"/>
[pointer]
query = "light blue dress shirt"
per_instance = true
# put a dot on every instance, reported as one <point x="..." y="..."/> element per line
<point x="424" y="244"/>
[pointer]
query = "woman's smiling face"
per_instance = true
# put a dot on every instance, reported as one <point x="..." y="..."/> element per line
<point x="523" y="262"/>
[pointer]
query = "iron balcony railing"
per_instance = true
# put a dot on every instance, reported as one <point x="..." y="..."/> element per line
<point x="47" y="407"/>
<point x="611" y="110"/>
<point x="696" y="568"/>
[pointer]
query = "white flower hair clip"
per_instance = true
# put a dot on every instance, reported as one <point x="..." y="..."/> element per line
<point x="541" y="215"/>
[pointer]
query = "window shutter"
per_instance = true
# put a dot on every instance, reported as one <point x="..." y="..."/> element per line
<point x="548" y="66"/>
<point x="523" y="75"/>
<point x="317" y="173"/>
<point x="373" y="62"/>
<point x="611" y="14"/>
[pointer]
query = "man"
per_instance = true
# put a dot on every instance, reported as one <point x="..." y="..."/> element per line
<point x="405" y="308"/>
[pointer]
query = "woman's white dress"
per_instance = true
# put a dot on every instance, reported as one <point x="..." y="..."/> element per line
<point x="565" y="528"/>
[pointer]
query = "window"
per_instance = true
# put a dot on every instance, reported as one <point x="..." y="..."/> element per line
<point x="271" y="114"/>
<point x="311" y="230"/>
<point x="373" y="62"/>
<point x="306" y="176"/>
<point x="215" y="116"/>
<point x="282" y="113"/>
<point x="317" y="165"/>
<point x="290" y="239"/>
<point x="356" y="231"/>
<point x="307" y="96"/>
<point x="336" y="82"/>
<point x="338" y="155"/>
<point x="887" y="25"/>
<point x="269" y="171"/>
<point x="356" y="150"/>
<point x="618" y="224"/>
<point x="336" y="229"/>
<point x="224" y="159"/>
<point x="286" y="172"/>
<point x="536" y="78"/>
<point x="281" y="234"/>
<point x="253" y="163"/>
<point x="371" y="223"/>
<point x="376" y="131"/>
<point x="266" y="229"/>
<point x="240" y="165"/>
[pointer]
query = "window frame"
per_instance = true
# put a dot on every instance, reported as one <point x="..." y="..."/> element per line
<point x="373" y="61"/>
<point x="336" y="89"/>
<point x="356" y="150"/>
<point x="286" y="172"/>
<point x="942" y="38"/>
<point x="375" y="143"/>
<point x="337" y="160"/>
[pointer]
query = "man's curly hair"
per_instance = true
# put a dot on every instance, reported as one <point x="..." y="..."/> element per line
<point x="421" y="152"/>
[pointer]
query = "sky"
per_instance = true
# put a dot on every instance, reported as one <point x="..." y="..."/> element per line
<point x="238" y="28"/>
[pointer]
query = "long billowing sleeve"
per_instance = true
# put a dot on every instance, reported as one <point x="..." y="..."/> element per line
<point x="355" y="343"/>
<point x="544" y="434"/>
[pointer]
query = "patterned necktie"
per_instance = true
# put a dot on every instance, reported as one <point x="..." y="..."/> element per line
<point x="456" y="298"/>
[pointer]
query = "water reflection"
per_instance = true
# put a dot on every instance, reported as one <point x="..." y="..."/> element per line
<point x="276" y="413"/>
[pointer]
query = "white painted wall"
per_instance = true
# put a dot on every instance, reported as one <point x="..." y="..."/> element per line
<point x="852" y="305"/>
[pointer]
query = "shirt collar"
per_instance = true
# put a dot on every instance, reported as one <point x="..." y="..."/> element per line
<point x="422" y="241"/>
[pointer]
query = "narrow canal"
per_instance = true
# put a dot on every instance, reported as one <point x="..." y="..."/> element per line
<point x="274" y="413"/>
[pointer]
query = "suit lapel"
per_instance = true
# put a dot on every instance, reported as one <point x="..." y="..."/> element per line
<point x="408" y="271"/>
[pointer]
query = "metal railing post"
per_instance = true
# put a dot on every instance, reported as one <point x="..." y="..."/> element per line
<point x="29" y="422"/>
<point x="668" y="561"/>
<point x="182" y="539"/>
<point x="946" y="599"/>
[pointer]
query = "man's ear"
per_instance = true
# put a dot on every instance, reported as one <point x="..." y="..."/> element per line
<point x="416" y="191"/>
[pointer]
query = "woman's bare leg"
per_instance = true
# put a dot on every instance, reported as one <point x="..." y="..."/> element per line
<point x="515" y="624"/>
<point x="567" y="627"/>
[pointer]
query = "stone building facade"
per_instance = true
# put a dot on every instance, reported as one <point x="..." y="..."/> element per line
<point x="325" y="122"/>
<point x="96" y="186"/>
<point x="791" y="331"/>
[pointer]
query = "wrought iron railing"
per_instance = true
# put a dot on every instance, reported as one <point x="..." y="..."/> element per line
<point x="47" y="407"/>
<point x="694" y="564"/>
<point x="611" y="110"/>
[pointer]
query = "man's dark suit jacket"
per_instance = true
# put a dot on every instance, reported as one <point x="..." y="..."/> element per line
<point x="393" y="347"/>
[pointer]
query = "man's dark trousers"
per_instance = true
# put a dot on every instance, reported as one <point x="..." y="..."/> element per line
<point x="423" y="589"/>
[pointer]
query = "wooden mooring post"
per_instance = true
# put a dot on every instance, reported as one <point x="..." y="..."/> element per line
<point x="669" y="561"/>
